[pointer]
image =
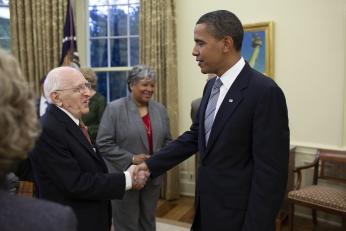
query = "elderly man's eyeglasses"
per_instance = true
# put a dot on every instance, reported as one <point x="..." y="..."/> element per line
<point x="81" y="88"/>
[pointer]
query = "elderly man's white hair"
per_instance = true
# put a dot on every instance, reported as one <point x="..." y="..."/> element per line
<point x="53" y="80"/>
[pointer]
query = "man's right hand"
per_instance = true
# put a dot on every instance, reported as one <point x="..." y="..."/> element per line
<point x="139" y="168"/>
<point x="139" y="178"/>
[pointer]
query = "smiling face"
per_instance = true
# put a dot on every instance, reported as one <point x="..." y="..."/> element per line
<point x="73" y="95"/>
<point x="212" y="54"/>
<point x="142" y="90"/>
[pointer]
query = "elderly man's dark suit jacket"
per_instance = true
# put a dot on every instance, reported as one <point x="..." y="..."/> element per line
<point x="67" y="170"/>
<point x="242" y="170"/>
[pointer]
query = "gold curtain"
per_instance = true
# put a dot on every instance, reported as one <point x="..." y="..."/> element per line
<point x="158" y="50"/>
<point x="37" y="28"/>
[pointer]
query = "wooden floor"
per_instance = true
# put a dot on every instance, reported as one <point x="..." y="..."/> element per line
<point x="182" y="210"/>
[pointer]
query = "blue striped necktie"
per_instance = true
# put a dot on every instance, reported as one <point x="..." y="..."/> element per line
<point x="210" y="111"/>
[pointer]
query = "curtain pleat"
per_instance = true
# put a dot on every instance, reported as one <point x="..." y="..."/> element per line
<point x="158" y="50"/>
<point x="37" y="28"/>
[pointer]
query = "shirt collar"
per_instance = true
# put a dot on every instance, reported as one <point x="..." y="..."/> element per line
<point x="43" y="99"/>
<point x="70" y="115"/>
<point x="231" y="74"/>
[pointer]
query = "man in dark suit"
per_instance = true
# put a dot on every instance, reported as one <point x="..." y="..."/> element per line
<point x="67" y="168"/>
<point x="241" y="133"/>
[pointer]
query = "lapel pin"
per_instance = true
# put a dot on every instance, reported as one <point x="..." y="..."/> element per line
<point x="230" y="100"/>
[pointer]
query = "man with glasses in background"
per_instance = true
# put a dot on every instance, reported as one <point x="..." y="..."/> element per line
<point x="67" y="168"/>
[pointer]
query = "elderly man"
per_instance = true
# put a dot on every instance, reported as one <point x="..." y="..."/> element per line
<point x="67" y="168"/>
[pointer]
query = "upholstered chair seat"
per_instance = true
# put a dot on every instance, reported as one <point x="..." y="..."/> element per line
<point x="324" y="196"/>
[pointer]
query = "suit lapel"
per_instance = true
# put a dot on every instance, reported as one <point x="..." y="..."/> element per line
<point x="228" y="106"/>
<point x="74" y="130"/>
<point x="155" y="123"/>
<point x="203" y="107"/>
<point x="137" y="120"/>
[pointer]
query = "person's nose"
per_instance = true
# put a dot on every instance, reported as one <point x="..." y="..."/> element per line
<point x="87" y="92"/>
<point x="195" y="51"/>
<point x="150" y="88"/>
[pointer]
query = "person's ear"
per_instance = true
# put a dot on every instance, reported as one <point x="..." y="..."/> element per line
<point x="131" y="86"/>
<point x="228" y="43"/>
<point x="56" y="99"/>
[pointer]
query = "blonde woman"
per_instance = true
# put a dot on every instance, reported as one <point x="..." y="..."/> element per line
<point x="19" y="128"/>
<point x="97" y="104"/>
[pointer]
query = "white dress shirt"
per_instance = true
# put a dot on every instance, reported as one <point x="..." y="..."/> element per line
<point x="227" y="80"/>
<point x="43" y="105"/>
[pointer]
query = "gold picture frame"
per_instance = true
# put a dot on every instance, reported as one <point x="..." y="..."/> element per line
<point x="258" y="47"/>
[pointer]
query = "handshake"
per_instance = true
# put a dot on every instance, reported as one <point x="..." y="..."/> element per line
<point x="139" y="175"/>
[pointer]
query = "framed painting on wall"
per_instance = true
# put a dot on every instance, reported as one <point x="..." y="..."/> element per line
<point x="257" y="47"/>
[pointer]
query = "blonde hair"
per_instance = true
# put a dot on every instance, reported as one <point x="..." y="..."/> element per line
<point x="18" y="119"/>
<point x="90" y="75"/>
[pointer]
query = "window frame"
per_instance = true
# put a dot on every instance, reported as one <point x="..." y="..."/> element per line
<point x="4" y="5"/>
<point x="88" y="39"/>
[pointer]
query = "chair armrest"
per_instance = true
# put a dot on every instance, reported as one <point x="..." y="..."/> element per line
<point x="298" y="170"/>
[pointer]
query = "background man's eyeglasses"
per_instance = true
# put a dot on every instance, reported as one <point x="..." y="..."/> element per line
<point x="81" y="88"/>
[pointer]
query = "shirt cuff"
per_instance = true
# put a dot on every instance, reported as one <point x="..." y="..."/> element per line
<point x="128" y="180"/>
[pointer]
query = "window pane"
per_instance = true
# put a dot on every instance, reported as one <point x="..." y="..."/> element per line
<point x="4" y="22"/>
<point x="118" y="20"/>
<point x="4" y="2"/>
<point x="118" y="52"/>
<point x="134" y="19"/>
<point x="102" y="83"/>
<point x="98" y="2"/>
<point x="134" y="50"/>
<point x="98" y="21"/>
<point x="98" y="53"/>
<point x="117" y="2"/>
<point x="5" y="44"/>
<point x="118" y="85"/>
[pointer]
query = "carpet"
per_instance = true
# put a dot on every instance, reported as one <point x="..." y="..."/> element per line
<point x="169" y="225"/>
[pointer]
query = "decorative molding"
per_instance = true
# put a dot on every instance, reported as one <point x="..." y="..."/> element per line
<point x="187" y="182"/>
<point x="307" y="145"/>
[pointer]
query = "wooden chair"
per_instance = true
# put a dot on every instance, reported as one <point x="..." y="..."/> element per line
<point x="25" y="188"/>
<point x="329" y="166"/>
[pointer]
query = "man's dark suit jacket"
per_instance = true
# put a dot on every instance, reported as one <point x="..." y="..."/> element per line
<point x="242" y="170"/>
<point x="68" y="171"/>
<point x="28" y="214"/>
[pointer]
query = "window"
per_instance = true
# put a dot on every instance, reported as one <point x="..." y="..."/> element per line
<point x="5" y="25"/>
<point x="113" y="45"/>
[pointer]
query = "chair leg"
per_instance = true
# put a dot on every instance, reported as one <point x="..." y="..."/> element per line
<point x="291" y="217"/>
<point x="344" y="222"/>
<point x="314" y="217"/>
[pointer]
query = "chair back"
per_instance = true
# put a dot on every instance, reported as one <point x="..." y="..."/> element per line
<point x="332" y="166"/>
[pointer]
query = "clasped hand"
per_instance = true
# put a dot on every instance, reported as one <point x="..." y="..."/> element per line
<point x="139" y="175"/>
